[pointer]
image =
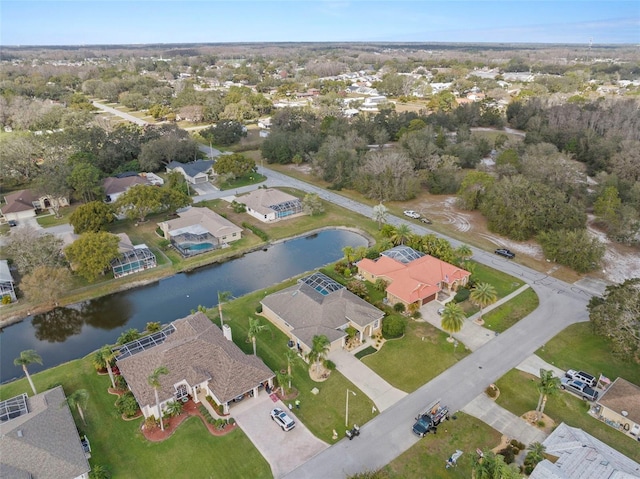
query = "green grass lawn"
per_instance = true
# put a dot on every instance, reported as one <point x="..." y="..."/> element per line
<point x="427" y="458"/>
<point x="47" y="220"/>
<point x="423" y="345"/>
<point x="120" y="446"/>
<point x="502" y="282"/>
<point x="577" y="347"/>
<point x="251" y="179"/>
<point x="321" y="413"/>
<point x="509" y="313"/>
<point x="518" y="394"/>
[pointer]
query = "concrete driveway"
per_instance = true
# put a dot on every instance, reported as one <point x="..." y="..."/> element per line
<point x="204" y="188"/>
<point x="284" y="451"/>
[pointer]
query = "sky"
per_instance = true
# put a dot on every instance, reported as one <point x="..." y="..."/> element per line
<point x="89" y="22"/>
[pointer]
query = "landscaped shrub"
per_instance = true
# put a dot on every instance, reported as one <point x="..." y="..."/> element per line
<point x="491" y="391"/>
<point x="256" y="231"/>
<point x="399" y="307"/>
<point x="365" y="352"/>
<point x="6" y="299"/>
<point x="357" y="287"/>
<point x="393" y="326"/>
<point x="461" y="295"/>
<point x="206" y="414"/>
<point x="127" y="405"/>
<point x="231" y="421"/>
<point x="121" y="383"/>
<point x="99" y="471"/>
<point x="508" y="454"/>
<point x="518" y="444"/>
<point x="220" y="423"/>
<point x="330" y="365"/>
<point x="340" y="267"/>
<point x="238" y="207"/>
<point x="259" y="309"/>
<point x="151" y="423"/>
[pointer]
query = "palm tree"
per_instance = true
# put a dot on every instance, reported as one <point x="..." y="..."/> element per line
<point x="79" y="400"/>
<point x="534" y="456"/>
<point x="28" y="357"/>
<point x="492" y="466"/>
<point x="282" y="379"/>
<point x="483" y="294"/>
<point x="254" y="328"/>
<point x="380" y="213"/>
<point x="548" y="386"/>
<point x="291" y="356"/>
<point x="464" y="252"/>
<point x="349" y="254"/>
<point x="360" y="252"/>
<point x="107" y="355"/>
<point x="320" y="349"/>
<point x="222" y="296"/>
<point x="401" y="234"/>
<point x="154" y="382"/>
<point x="174" y="408"/>
<point x="452" y="318"/>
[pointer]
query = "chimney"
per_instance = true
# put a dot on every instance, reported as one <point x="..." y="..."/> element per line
<point x="226" y="331"/>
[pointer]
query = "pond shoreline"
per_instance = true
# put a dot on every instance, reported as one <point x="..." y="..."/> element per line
<point x="169" y="272"/>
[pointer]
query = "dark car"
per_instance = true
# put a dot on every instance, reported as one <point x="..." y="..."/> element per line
<point x="12" y="223"/>
<point x="429" y="420"/>
<point x="505" y="252"/>
<point x="579" y="388"/>
<point x="426" y="221"/>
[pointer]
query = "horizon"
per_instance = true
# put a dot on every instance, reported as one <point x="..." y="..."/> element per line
<point x="70" y="23"/>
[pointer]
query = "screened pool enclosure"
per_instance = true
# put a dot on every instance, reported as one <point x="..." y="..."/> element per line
<point x="192" y="240"/>
<point x="131" y="261"/>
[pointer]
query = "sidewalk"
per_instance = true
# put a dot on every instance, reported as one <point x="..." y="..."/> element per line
<point x="485" y="409"/>
<point x="377" y="389"/>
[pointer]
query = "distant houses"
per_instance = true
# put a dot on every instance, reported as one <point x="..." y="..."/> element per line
<point x="194" y="172"/>
<point x="114" y="187"/>
<point x="24" y="204"/>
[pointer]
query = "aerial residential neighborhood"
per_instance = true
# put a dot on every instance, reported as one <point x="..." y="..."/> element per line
<point x="283" y="250"/>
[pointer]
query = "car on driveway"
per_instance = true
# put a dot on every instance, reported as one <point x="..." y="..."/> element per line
<point x="428" y="420"/>
<point x="579" y="388"/>
<point x="588" y="379"/>
<point x="505" y="252"/>
<point x="412" y="214"/>
<point x="282" y="419"/>
<point x="440" y="311"/>
<point x="12" y="223"/>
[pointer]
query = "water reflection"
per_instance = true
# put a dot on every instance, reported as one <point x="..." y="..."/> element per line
<point x="75" y="331"/>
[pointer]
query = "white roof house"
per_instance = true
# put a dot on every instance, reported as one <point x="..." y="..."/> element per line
<point x="268" y="204"/>
<point x="6" y="281"/>
<point x="582" y="456"/>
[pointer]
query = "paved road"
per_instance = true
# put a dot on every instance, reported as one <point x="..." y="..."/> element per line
<point x="121" y="114"/>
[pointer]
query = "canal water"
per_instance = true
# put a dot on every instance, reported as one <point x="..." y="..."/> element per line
<point x="74" y="331"/>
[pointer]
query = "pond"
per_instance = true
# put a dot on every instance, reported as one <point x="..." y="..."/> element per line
<point x="74" y="331"/>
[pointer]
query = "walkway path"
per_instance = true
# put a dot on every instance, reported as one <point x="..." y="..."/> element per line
<point x="502" y="420"/>
<point x="379" y="391"/>
<point x="121" y="114"/>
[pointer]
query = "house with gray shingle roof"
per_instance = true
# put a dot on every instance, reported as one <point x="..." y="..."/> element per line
<point x="6" y="281"/>
<point x="194" y="172"/>
<point x="24" y="204"/>
<point x="114" y="187"/>
<point x="269" y="204"/>
<point x="40" y="439"/>
<point x="201" y="360"/>
<point x="572" y="453"/>
<point x="619" y="406"/>
<point x="317" y="305"/>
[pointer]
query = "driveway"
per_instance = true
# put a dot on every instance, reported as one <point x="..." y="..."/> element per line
<point x="377" y="389"/>
<point x="284" y="451"/>
<point x="204" y="188"/>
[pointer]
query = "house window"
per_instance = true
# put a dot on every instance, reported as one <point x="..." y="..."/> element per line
<point x="181" y="392"/>
<point x="234" y="234"/>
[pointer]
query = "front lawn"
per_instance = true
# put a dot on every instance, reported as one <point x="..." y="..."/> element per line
<point x="422" y="344"/>
<point x="509" y="313"/>
<point x="427" y="458"/>
<point x="120" y="446"/>
<point x="249" y="179"/>
<point x="46" y="219"/>
<point x="519" y="394"/>
<point x="577" y="347"/>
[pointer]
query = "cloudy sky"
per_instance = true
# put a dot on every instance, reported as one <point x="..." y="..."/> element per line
<point x="75" y="22"/>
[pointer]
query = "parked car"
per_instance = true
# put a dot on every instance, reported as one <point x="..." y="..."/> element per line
<point x="440" y="311"/>
<point x="426" y="221"/>
<point x="429" y="420"/>
<point x="412" y="214"/>
<point x="12" y="223"/>
<point x="588" y="379"/>
<point x="579" y="388"/>
<point x="282" y="419"/>
<point x="505" y="252"/>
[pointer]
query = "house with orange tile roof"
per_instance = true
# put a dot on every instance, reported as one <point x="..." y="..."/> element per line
<point x="413" y="277"/>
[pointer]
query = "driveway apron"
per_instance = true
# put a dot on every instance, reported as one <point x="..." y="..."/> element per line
<point x="284" y="451"/>
<point x="379" y="391"/>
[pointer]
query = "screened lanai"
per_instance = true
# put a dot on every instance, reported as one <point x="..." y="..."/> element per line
<point x="133" y="260"/>
<point x="402" y="254"/>
<point x="192" y="239"/>
<point x="287" y="208"/>
<point x="6" y="281"/>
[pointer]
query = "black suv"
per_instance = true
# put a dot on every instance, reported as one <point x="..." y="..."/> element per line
<point x="429" y="420"/>
<point x="505" y="252"/>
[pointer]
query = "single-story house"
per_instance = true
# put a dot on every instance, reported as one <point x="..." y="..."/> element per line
<point x="6" y="281"/>
<point x="39" y="439"/>
<point x="201" y="361"/>
<point x="317" y="305"/>
<point x="198" y="230"/>
<point x="133" y="258"/>
<point x="413" y="277"/>
<point x="572" y="453"/>
<point x="194" y="172"/>
<point x="268" y="204"/>
<point x="619" y="407"/>
<point x="24" y="204"/>
<point x="114" y="187"/>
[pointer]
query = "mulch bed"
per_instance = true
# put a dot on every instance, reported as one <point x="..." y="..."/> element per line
<point x="171" y="424"/>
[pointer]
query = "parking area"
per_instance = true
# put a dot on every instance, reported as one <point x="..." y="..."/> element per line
<point x="204" y="188"/>
<point x="284" y="451"/>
